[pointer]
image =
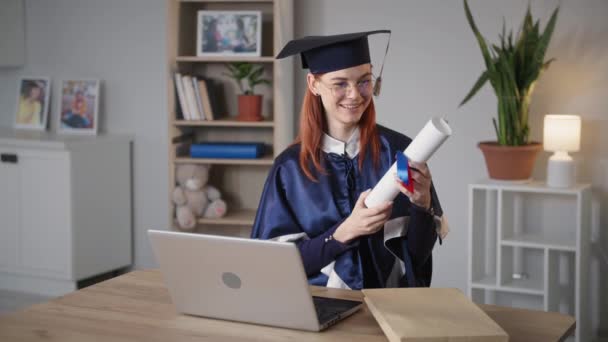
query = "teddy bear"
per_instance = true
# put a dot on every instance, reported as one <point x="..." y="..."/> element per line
<point x="193" y="197"/>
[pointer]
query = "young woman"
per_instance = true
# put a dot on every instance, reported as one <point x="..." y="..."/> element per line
<point x="314" y="195"/>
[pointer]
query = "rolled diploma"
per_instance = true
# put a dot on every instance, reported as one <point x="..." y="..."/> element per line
<point x="428" y="140"/>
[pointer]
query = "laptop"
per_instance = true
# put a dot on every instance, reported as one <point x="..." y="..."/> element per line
<point x="244" y="280"/>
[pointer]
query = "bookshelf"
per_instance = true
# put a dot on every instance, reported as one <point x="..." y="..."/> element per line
<point x="239" y="180"/>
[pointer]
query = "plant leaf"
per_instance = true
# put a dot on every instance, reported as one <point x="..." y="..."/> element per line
<point x="543" y="44"/>
<point x="478" y="84"/>
<point x="480" y="40"/>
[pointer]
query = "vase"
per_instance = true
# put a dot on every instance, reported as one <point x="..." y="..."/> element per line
<point x="250" y="108"/>
<point x="510" y="163"/>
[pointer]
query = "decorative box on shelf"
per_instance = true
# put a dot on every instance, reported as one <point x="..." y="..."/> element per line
<point x="529" y="247"/>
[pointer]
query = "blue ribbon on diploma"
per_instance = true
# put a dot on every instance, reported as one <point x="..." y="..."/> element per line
<point x="403" y="171"/>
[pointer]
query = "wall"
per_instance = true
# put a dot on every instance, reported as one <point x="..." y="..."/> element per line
<point x="121" y="43"/>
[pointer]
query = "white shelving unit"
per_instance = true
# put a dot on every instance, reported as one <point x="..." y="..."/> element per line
<point x="529" y="248"/>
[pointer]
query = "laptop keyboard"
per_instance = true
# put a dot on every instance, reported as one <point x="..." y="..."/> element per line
<point x="331" y="308"/>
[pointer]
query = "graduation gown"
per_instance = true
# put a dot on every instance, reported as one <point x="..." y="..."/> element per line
<point x="294" y="208"/>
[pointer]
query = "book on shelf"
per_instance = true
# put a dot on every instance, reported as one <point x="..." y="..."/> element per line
<point x="229" y="150"/>
<point x="179" y="114"/>
<point x="198" y="97"/>
<point x="215" y="95"/>
<point x="181" y="96"/>
<point x="190" y="98"/>
<point x="203" y="95"/>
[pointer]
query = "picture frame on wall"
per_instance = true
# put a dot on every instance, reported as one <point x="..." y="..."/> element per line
<point x="229" y="33"/>
<point x="79" y="106"/>
<point x="33" y="95"/>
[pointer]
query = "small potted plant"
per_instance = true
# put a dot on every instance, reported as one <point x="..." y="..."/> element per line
<point x="512" y="68"/>
<point x="247" y="76"/>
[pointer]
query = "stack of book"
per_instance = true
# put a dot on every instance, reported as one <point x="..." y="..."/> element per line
<point x="197" y="97"/>
<point x="230" y="150"/>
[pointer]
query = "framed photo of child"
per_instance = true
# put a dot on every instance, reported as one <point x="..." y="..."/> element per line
<point x="33" y="103"/>
<point x="79" y="106"/>
<point x="229" y="33"/>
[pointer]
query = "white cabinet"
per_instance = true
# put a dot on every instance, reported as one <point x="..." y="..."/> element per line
<point x="65" y="209"/>
<point x="529" y="247"/>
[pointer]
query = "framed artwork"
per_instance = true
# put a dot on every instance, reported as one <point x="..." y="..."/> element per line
<point x="79" y="106"/>
<point x="32" y="103"/>
<point x="229" y="33"/>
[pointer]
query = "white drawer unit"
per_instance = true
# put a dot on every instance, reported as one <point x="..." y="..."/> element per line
<point x="65" y="209"/>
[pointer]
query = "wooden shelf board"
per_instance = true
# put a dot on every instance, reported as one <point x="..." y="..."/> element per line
<point x="259" y="161"/>
<point x="223" y="123"/>
<point x="561" y="242"/>
<point x="195" y="59"/>
<point x="240" y="217"/>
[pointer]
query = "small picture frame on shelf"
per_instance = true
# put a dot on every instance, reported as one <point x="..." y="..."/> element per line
<point x="32" y="103"/>
<point x="229" y="33"/>
<point x="79" y="105"/>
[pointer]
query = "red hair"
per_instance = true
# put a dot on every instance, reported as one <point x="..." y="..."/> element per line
<point x="312" y="126"/>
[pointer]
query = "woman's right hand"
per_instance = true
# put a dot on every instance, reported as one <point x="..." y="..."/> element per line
<point x="363" y="220"/>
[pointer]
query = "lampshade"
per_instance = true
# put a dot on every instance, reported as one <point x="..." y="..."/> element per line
<point x="562" y="133"/>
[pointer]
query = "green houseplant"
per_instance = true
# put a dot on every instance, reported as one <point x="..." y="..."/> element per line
<point x="512" y="68"/>
<point x="247" y="76"/>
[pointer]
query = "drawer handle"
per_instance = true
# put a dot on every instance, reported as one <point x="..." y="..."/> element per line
<point x="8" y="158"/>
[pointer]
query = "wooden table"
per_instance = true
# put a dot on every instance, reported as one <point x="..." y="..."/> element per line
<point x="137" y="307"/>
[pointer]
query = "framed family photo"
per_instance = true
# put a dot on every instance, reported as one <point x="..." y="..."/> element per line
<point x="33" y="103"/>
<point x="229" y="33"/>
<point x="79" y="105"/>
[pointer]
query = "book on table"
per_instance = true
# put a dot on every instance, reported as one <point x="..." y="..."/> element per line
<point x="430" y="314"/>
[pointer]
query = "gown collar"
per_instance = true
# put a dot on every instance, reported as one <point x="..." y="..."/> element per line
<point x="350" y="148"/>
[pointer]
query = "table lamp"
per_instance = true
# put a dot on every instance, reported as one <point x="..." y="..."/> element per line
<point x="562" y="134"/>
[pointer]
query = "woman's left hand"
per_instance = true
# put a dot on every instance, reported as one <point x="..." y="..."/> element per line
<point x="421" y="176"/>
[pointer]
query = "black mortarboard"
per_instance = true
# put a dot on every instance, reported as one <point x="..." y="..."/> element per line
<point x="323" y="54"/>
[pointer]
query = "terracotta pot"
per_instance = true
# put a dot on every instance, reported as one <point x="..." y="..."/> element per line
<point x="509" y="162"/>
<point x="250" y="108"/>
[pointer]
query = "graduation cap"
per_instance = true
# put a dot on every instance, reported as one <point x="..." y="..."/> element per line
<point x="321" y="54"/>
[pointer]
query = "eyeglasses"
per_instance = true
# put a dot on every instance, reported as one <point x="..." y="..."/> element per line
<point x="339" y="90"/>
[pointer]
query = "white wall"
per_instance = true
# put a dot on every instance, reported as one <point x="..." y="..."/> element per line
<point x="432" y="63"/>
<point x="123" y="44"/>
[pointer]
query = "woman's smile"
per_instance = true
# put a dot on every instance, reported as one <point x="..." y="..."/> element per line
<point x="351" y="106"/>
